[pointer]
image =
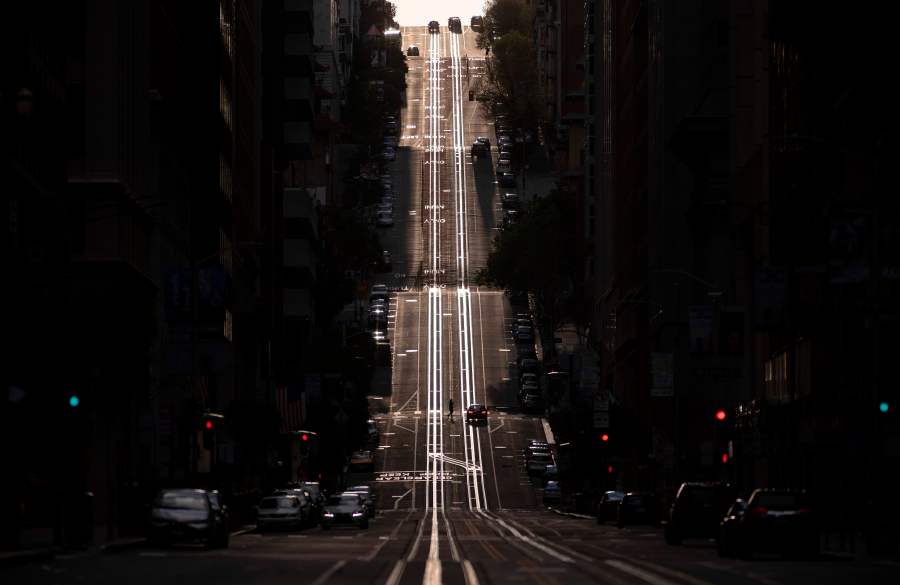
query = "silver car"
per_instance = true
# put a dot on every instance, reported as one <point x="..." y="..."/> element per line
<point x="283" y="510"/>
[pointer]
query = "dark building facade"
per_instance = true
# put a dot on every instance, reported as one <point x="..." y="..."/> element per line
<point x="743" y="246"/>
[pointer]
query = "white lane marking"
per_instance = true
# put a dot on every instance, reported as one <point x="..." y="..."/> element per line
<point x="328" y="574"/>
<point x="469" y="573"/>
<point x="432" y="572"/>
<point x="396" y="573"/>
<point x="398" y="498"/>
<point x="641" y="574"/>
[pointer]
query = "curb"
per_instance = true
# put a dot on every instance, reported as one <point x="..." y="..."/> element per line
<point x="17" y="558"/>
<point x="243" y="530"/>
<point x="120" y="545"/>
<point x="570" y="514"/>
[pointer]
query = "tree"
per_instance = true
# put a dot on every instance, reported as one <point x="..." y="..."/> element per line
<point x="542" y="255"/>
<point x="503" y="17"/>
<point x="514" y="75"/>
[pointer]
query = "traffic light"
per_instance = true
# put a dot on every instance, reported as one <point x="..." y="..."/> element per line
<point x="604" y="438"/>
<point x="720" y="415"/>
<point x="74" y="401"/>
<point x="209" y="424"/>
<point x="884" y="407"/>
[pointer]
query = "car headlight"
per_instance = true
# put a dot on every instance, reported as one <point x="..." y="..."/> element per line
<point x="357" y="514"/>
<point x="328" y="515"/>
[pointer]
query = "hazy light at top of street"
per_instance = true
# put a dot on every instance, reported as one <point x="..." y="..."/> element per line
<point x="419" y="12"/>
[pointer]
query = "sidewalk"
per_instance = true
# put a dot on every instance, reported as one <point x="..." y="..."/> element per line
<point x="40" y="554"/>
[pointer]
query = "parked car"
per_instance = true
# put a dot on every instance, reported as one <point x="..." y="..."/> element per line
<point x="537" y="463"/>
<point x="481" y="147"/>
<point x="368" y="495"/>
<point x="551" y="473"/>
<point x="384" y="219"/>
<point x="374" y="434"/>
<point x="454" y="24"/>
<point x="362" y="460"/>
<point x="726" y="543"/>
<point x="283" y="509"/>
<point x="476" y="413"/>
<point x="532" y="401"/>
<point x="378" y="292"/>
<point x="389" y="154"/>
<point x="189" y="515"/>
<point x="434" y="27"/>
<point x="608" y="506"/>
<point x="510" y="200"/>
<point x="476" y="23"/>
<point x="345" y="508"/>
<point x="776" y="521"/>
<point x="506" y="179"/>
<point x="552" y="493"/>
<point x="412" y="51"/>
<point x="638" y="508"/>
<point x="697" y="510"/>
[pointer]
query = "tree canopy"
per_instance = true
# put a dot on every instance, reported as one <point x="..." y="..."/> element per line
<point x="542" y="254"/>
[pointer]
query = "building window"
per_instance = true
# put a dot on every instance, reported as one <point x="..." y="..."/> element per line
<point x="224" y="103"/>
<point x="225" y="177"/>
<point x="225" y="29"/>
<point x="225" y="252"/>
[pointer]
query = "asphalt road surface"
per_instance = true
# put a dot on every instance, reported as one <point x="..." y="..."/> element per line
<point x="456" y="505"/>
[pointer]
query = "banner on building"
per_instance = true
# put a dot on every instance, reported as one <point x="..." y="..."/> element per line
<point x="662" y="374"/>
<point x="700" y="323"/>
<point x="731" y="333"/>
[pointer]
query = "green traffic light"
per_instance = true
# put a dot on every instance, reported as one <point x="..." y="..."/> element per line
<point x="74" y="401"/>
<point x="884" y="407"/>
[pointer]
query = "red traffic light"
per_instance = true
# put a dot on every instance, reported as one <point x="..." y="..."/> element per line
<point x="720" y="414"/>
<point x="610" y="469"/>
<point x="208" y="424"/>
<point x="604" y="437"/>
<point x="724" y="457"/>
<point x="304" y="437"/>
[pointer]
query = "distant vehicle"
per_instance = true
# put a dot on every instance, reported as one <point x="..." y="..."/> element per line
<point x="189" y="515"/>
<point x="283" y="509"/>
<point x="533" y="402"/>
<point x="779" y="521"/>
<point x="608" y="505"/>
<point x="638" y="508"/>
<point x="368" y="495"/>
<point x="476" y="413"/>
<point x="552" y="493"/>
<point x="454" y="24"/>
<point x="384" y="220"/>
<point x="412" y="51"/>
<point x="506" y="179"/>
<point x="373" y="432"/>
<point x="726" y="543"/>
<point x="477" y="23"/>
<point x="697" y="510"/>
<point x="538" y="462"/>
<point x="481" y="147"/>
<point x="551" y="473"/>
<point x="386" y="263"/>
<point x="434" y="27"/>
<point x="389" y="154"/>
<point x="378" y="291"/>
<point x="346" y="508"/>
<point x="362" y="461"/>
<point x="510" y="200"/>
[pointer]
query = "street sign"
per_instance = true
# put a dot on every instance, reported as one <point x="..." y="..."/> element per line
<point x="601" y="419"/>
<point x="385" y="476"/>
<point x="662" y="374"/>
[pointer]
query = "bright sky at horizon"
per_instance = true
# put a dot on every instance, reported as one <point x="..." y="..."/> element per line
<point x="419" y="12"/>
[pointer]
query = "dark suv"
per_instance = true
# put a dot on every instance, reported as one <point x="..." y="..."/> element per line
<point x="697" y="510"/>
<point x="454" y="24"/>
<point x="434" y="27"/>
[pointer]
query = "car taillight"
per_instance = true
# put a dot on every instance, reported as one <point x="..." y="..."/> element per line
<point x="804" y="511"/>
<point x="759" y="511"/>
